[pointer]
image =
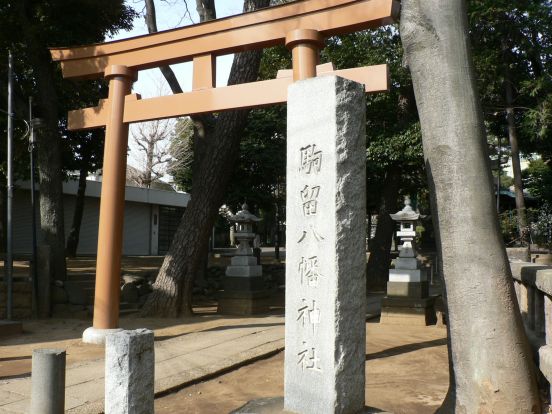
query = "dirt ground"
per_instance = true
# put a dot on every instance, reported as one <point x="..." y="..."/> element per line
<point x="406" y="373"/>
<point x="406" y="368"/>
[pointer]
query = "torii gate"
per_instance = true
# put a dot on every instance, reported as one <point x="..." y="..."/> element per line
<point x="301" y="26"/>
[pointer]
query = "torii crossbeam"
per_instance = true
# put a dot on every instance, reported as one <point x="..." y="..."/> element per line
<point x="302" y="26"/>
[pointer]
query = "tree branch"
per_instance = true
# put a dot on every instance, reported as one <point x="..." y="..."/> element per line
<point x="167" y="72"/>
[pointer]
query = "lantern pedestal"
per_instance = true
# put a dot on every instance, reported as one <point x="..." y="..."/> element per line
<point x="407" y="301"/>
<point x="244" y="288"/>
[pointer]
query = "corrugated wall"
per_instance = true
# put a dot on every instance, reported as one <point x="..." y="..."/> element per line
<point x="137" y="225"/>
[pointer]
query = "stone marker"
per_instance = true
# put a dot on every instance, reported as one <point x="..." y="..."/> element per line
<point x="48" y="381"/>
<point x="129" y="372"/>
<point x="325" y="335"/>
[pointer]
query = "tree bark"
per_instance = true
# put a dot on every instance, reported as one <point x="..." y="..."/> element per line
<point x="516" y="167"/>
<point x="73" y="237"/>
<point x="206" y="10"/>
<point x="377" y="269"/>
<point x="493" y="369"/>
<point x="173" y="287"/>
<point x="48" y="157"/>
<point x="49" y="167"/>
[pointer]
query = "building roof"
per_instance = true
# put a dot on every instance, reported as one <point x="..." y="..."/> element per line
<point x="135" y="194"/>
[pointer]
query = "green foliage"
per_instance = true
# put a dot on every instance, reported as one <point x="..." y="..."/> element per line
<point x="541" y="229"/>
<point x="538" y="180"/>
<point x="394" y="139"/>
<point x="28" y="28"/>
<point x="509" y="226"/>
<point x="512" y="43"/>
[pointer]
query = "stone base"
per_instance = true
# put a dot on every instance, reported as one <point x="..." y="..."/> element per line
<point x="408" y="311"/>
<point x="275" y="405"/>
<point x="9" y="328"/>
<point x="97" y="336"/>
<point x="243" y="303"/>
<point x="408" y="289"/>
<point x="243" y="284"/>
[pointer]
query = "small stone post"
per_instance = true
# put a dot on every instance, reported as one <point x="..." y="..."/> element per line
<point x="48" y="381"/>
<point x="325" y="339"/>
<point x="129" y="372"/>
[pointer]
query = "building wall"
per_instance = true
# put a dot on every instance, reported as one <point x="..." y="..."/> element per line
<point x="137" y="225"/>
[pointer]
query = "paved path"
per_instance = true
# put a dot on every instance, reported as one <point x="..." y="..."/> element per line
<point x="182" y="357"/>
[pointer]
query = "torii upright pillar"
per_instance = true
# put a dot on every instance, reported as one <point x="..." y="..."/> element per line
<point x="110" y="234"/>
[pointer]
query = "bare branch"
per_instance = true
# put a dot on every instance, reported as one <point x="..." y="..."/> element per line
<point x="167" y="72"/>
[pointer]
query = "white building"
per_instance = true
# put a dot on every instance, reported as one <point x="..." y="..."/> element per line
<point x="151" y="218"/>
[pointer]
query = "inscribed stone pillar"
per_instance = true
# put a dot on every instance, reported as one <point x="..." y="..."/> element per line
<point x="325" y="241"/>
<point x="129" y="372"/>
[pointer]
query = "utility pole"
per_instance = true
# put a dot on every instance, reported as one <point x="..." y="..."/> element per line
<point x="499" y="150"/>
<point x="33" y="123"/>
<point x="8" y="263"/>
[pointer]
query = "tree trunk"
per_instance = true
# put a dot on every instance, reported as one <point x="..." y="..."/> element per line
<point x="173" y="287"/>
<point x="516" y="167"/>
<point x="377" y="270"/>
<point x="50" y="167"/>
<point x="73" y="237"/>
<point x="493" y="369"/>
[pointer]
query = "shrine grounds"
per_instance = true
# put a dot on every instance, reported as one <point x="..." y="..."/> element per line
<point x="214" y="364"/>
<point x="223" y="362"/>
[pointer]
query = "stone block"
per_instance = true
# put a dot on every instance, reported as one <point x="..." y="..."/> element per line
<point x="243" y="283"/>
<point x="407" y="302"/>
<point x="325" y="250"/>
<point x="244" y="261"/>
<point x="545" y="361"/>
<point x="129" y="372"/>
<point x="408" y="289"/>
<point x="408" y="311"/>
<point x="406" y="263"/>
<point x="252" y="305"/>
<point x="244" y="271"/>
<point x="407" y="275"/>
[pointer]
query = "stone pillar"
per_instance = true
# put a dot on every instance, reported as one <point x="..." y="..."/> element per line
<point x="129" y="372"/>
<point x="325" y="335"/>
<point x="48" y="381"/>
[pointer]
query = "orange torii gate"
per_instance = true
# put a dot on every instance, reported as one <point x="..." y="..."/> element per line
<point x="301" y="26"/>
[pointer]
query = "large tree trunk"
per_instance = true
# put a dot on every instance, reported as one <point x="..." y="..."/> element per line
<point x="173" y="286"/>
<point x="492" y="365"/>
<point x="50" y="167"/>
<point x="48" y="159"/>
<point x="377" y="270"/>
<point x="73" y="237"/>
<point x="516" y="167"/>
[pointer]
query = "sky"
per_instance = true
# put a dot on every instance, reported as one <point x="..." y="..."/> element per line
<point x="171" y="14"/>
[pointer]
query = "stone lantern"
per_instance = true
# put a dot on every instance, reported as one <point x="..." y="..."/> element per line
<point x="244" y="289"/>
<point x="407" y="300"/>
